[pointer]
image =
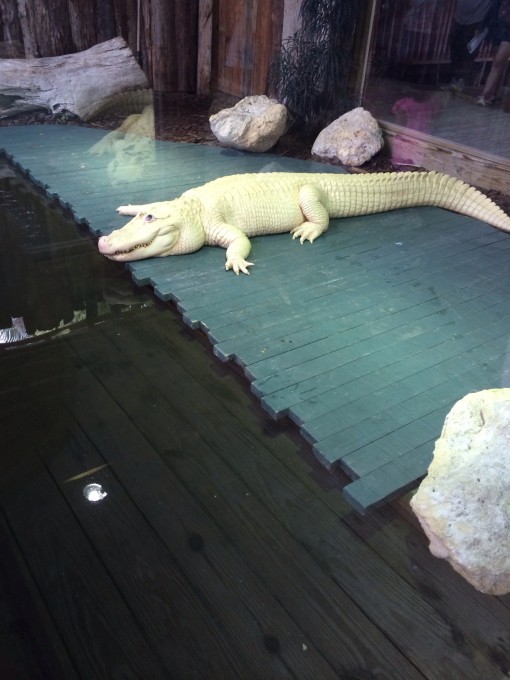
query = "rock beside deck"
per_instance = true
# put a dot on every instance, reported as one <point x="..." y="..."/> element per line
<point x="464" y="502"/>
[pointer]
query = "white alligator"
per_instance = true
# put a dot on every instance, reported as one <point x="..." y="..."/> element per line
<point x="228" y="211"/>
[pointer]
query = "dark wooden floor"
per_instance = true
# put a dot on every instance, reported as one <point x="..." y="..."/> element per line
<point x="222" y="549"/>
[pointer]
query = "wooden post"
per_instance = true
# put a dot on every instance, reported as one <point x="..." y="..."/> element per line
<point x="204" y="56"/>
<point x="173" y="30"/>
<point x="46" y="27"/>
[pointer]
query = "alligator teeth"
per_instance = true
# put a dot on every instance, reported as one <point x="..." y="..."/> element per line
<point x="130" y="250"/>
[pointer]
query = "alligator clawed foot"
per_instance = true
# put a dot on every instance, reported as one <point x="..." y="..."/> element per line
<point x="306" y="232"/>
<point x="238" y="265"/>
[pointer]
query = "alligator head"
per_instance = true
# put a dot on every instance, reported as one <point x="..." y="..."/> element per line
<point x="167" y="228"/>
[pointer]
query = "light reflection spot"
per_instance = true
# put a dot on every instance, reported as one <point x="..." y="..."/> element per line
<point x="94" y="493"/>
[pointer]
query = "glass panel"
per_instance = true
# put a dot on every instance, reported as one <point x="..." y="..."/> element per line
<point x="441" y="67"/>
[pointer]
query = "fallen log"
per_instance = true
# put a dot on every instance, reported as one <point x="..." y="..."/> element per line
<point x="80" y="83"/>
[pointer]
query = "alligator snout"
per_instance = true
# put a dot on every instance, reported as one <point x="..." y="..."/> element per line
<point x="102" y="244"/>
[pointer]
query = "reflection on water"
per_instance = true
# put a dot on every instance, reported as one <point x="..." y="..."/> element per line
<point x="51" y="277"/>
<point x="56" y="290"/>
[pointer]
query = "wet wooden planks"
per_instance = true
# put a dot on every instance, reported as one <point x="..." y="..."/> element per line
<point x="364" y="340"/>
<point x="215" y="552"/>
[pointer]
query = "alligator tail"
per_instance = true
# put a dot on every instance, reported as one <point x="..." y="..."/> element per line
<point x="351" y="195"/>
<point x="454" y="194"/>
<point x="440" y="190"/>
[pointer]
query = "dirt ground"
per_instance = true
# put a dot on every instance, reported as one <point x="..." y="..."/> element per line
<point x="185" y="118"/>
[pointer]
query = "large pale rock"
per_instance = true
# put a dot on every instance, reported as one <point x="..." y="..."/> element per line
<point x="255" y="123"/>
<point x="351" y="139"/>
<point x="464" y="502"/>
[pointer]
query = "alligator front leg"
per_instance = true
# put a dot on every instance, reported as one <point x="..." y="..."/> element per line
<point x="311" y="202"/>
<point x="237" y="244"/>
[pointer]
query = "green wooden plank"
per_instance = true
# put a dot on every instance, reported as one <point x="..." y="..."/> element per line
<point x="382" y="421"/>
<point x="416" y="368"/>
<point x="347" y="236"/>
<point x="389" y="480"/>
<point x="277" y="326"/>
<point x="232" y="322"/>
<point x="388" y="328"/>
<point x="410" y="340"/>
<point x="265" y="342"/>
<point x="259" y="349"/>
<point x="422" y="432"/>
<point x="369" y="443"/>
<point x="379" y="390"/>
<point x="432" y="350"/>
<point x="181" y="272"/>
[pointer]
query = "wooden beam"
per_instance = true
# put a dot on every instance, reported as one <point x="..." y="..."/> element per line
<point x="204" y="57"/>
<point x="477" y="167"/>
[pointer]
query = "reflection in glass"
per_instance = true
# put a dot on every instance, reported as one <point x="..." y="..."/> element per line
<point x="441" y="67"/>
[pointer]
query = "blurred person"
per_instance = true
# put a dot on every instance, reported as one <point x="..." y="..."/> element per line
<point x="499" y="32"/>
<point x="418" y="27"/>
<point x="469" y="27"/>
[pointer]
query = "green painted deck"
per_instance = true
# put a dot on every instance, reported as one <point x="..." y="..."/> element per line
<point x="365" y="339"/>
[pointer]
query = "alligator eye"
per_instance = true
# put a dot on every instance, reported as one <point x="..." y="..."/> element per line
<point x="148" y="218"/>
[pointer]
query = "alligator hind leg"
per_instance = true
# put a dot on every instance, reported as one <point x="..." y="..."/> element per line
<point x="317" y="218"/>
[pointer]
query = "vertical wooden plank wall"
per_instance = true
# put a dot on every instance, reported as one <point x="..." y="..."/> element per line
<point x="230" y="19"/>
<point x="267" y="41"/>
<point x="10" y="30"/>
<point x="205" y="46"/>
<point x="184" y="46"/>
<point x="172" y="27"/>
<point x="40" y="35"/>
<point x="248" y="35"/>
<point x="49" y="28"/>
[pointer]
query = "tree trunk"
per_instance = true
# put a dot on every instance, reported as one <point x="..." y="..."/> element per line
<point x="80" y="83"/>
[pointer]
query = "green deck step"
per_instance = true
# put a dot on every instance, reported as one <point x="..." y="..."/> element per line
<point x="364" y="339"/>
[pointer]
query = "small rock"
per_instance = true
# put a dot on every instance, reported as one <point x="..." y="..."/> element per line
<point x="255" y="124"/>
<point x="351" y="139"/>
<point x="463" y="504"/>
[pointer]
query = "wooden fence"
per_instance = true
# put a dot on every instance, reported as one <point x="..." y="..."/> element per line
<point x="183" y="45"/>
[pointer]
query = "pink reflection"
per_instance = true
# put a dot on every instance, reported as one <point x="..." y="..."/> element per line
<point x="417" y="114"/>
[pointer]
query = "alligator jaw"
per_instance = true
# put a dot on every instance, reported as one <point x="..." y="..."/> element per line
<point x="121" y="254"/>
